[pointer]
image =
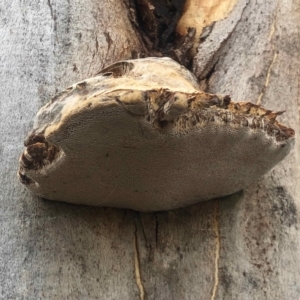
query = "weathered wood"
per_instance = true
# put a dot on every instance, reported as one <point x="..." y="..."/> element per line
<point x="245" y="246"/>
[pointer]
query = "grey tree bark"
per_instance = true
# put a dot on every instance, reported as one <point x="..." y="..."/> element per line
<point x="245" y="246"/>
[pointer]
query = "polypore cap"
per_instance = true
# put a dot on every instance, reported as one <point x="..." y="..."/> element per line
<point x="141" y="135"/>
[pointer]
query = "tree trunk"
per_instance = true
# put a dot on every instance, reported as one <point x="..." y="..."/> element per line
<point x="245" y="246"/>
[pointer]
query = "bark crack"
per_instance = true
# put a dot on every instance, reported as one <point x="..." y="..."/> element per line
<point x="51" y="9"/>
<point x="209" y="75"/>
<point x="137" y="267"/>
<point x="216" y="229"/>
<point x="275" y="54"/>
<point x="156" y="231"/>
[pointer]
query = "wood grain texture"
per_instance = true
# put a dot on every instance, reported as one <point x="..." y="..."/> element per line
<point x="245" y="246"/>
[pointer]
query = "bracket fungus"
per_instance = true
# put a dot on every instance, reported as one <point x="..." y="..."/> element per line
<point x="141" y="135"/>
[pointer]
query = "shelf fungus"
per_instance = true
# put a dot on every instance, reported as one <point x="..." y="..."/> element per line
<point x="141" y="135"/>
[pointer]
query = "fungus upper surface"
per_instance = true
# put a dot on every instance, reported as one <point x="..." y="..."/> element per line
<point x="141" y="135"/>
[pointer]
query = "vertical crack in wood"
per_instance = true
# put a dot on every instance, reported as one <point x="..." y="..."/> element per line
<point x="216" y="229"/>
<point x="51" y="9"/>
<point x="148" y="243"/>
<point x="137" y="266"/>
<point x="275" y="54"/>
<point x="156" y="231"/>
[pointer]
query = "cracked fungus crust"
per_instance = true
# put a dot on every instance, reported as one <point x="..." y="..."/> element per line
<point x="141" y="135"/>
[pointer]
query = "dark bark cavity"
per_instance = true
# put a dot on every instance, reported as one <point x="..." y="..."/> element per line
<point x="156" y="21"/>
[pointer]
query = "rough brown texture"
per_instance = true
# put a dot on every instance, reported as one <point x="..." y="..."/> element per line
<point x="245" y="246"/>
<point x="141" y="135"/>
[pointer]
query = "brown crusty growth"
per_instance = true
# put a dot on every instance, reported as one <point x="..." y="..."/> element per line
<point x="141" y="135"/>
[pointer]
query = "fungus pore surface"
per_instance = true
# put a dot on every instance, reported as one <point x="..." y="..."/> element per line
<point x="141" y="135"/>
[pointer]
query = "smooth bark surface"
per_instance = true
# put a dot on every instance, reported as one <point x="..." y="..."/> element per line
<point x="245" y="246"/>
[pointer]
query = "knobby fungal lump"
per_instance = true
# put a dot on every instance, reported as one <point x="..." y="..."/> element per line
<point x="141" y="135"/>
